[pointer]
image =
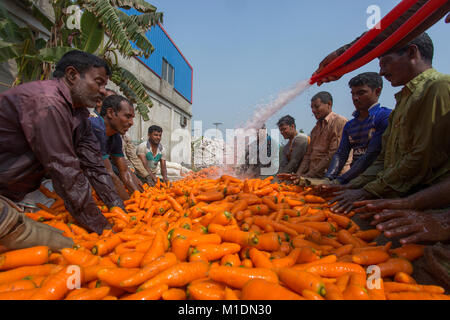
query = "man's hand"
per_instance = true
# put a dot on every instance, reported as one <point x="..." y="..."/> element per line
<point x="323" y="64"/>
<point x="150" y="181"/>
<point x="345" y="199"/>
<point x="370" y="207"/>
<point x="414" y="226"/>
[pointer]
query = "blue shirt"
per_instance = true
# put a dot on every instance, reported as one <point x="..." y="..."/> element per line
<point x="364" y="138"/>
<point x="109" y="146"/>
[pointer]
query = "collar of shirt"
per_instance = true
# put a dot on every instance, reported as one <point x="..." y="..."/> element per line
<point x="65" y="92"/>
<point x="373" y="109"/>
<point x="326" y="119"/>
<point x="415" y="83"/>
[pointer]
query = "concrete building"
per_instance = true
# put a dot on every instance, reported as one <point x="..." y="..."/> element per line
<point x="166" y="74"/>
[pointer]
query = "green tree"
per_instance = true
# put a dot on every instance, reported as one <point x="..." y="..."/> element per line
<point x="35" y="57"/>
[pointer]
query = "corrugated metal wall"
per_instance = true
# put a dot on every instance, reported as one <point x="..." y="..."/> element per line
<point x="165" y="48"/>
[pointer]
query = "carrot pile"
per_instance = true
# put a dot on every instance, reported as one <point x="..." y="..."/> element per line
<point x="215" y="239"/>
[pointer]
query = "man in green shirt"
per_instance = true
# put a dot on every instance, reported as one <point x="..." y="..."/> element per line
<point x="416" y="144"/>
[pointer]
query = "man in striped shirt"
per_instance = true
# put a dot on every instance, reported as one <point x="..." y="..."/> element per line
<point x="363" y="133"/>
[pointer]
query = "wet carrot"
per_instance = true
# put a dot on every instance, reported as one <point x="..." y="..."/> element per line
<point x="370" y="257"/>
<point x="114" y="276"/>
<point x="287" y="261"/>
<point x="259" y="289"/>
<point x="206" y="290"/>
<point x="269" y="241"/>
<point x="211" y="238"/>
<point x="174" y="294"/>
<point x="300" y="280"/>
<point x="404" y="278"/>
<point x="55" y="286"/>
<point x="236" y="277"/>
<point x="17" y="285"/>
<point x="150" y="270"/>
<point x="24" y="257"/>
<point x="130" y="259"/>
<point x="91" y="294"/>
<point x="156" y="250"/>
<point x="80" y="257"/>
<point x="230" y="294"/>
<point x="336" y="269"/>
<point x="343" y="250"/>
<point x="401" y="287"/>
<point x="18" y="295"/>
<point x="313" y="199"/>
<point x="152" y="293"/>
<point x="368" y="235"/>
<point x="231" y="260"/>
<point x="416" y="296"/>
<point x="106" y="245"/>
<point x="333" y="292"/>
<point x="394" y="265"/>
<point x="178" y="275"/>
<point x="217" y="251"/>
<point x="409" y="252"/>
<point x="259" y="259"/>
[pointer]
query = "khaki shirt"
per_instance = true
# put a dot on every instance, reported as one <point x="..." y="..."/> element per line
<point x="131" y="155"/>
<point x="416" y="144"/>
<point x="325" y="139"/>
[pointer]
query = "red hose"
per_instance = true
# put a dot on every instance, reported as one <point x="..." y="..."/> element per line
<point x="393" y="15"/>
<point x="423" y="13"/>
<point x="427" y="10"/>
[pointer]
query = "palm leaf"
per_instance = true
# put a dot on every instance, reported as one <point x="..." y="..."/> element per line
<point x="135" y="33"/>
<point x="106" y="14"/>
<point x="139" y="5"/>
<point x="92" y="32"/>
<point x="8" y="50"/>
<point x="132" y="89"/>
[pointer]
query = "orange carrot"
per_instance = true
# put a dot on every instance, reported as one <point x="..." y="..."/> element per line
<point x="301" y="280"/>
<point x="401" y="287"/>
<point x="336" y="269"/>
<point x="231" y="260"/>
<point x="404" y="278"/>
<point x="408" y="251"/>
<point x="24" y="257"/>
<point x="174" y="294"/>
<point x="114" y="276"/>
<point x="333" y="292"/>
<point x="17" y="285"/>
<point x="236" y="277"/>
<point x="55" y="286"/>
<point x="259" y="289"/>
<point x="394" y="265"/>
<point x="156" y="250"/>
<point x="106" y="245"/>
<point x="178" y="275"/>
<point x="18" y="295"/>
<point x="152" y="293"/>
<point x="259" y="259"/>
<point x="130" y="259"/>
<point x="150" y="270"/>
<point x="370" y="257"/>
<point x="416" y="296"/>
<point x="206" y="290"/>
<point x="215" y="252"/>
<point x="91" y="294"/>
<point x="80" y="257"/>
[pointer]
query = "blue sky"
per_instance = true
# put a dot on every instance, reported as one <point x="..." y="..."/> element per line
<point x="244" y="52"/>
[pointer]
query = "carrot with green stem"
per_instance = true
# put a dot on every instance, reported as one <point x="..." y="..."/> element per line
<point x="298" y="281"/>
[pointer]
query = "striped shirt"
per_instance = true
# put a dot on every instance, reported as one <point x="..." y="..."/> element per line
<point x="364" y="138"/>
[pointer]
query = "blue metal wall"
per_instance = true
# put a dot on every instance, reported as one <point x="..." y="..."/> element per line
<point x="165" y="48"/>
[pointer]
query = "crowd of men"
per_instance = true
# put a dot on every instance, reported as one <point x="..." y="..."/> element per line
<point x="391" y="166"/>
<point x="47" y="131"/>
